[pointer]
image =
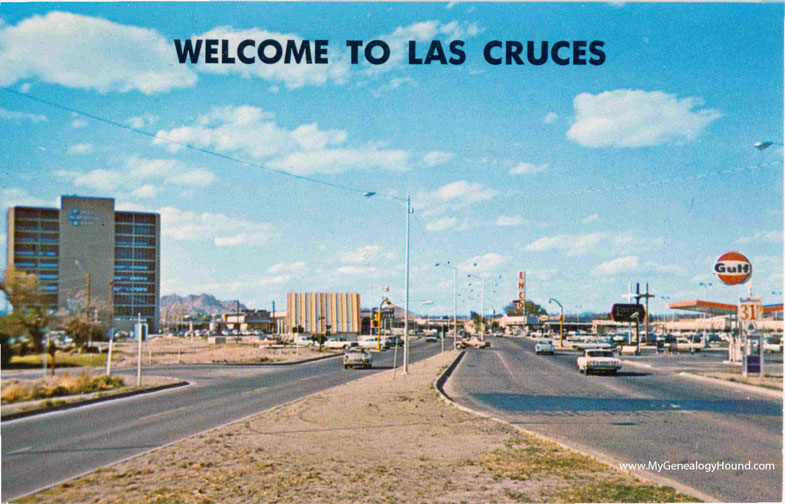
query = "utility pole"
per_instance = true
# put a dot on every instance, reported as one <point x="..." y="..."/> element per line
<point x="646" y="296"/>
<point x="87" y="293"/>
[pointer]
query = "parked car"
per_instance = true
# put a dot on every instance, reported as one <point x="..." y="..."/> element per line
<point x="336" y="344"/>
<point x="772" y="345"/>
<point x="686" y="345"/>
<point x="600" y="361"/>
<point x="304" y="341"/>
<point x="357" y="357"/>
<point x="431" y="339"/>
<point x="544" y="346"/>
<point x="473" y="342"/>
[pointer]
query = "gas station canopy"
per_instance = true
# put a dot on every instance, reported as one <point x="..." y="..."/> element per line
<point x="713" y="308"/>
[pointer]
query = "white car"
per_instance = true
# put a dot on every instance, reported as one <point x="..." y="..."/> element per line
<point x="600" y="361"/>
<point x="304" y="341"/>
<point x="685" y="345"/>
<point x="544" y="346"/>
<point x="357" y="357"/>
<point x="770" y="345"/>
<point x="336" y="344"/>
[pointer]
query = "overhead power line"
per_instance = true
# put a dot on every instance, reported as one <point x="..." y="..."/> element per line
<point x="207" y="152"/>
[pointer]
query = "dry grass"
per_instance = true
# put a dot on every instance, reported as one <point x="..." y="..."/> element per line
<point x="168" y="350"/>
<point x="57" y="386"/>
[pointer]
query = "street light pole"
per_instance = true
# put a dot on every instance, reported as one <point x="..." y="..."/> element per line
<point x="409" y="211"/>
<point x="454" y="303"/>
<point x="406" y="294"/>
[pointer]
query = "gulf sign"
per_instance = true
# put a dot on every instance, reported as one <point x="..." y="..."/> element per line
<point x="733" y="268"/>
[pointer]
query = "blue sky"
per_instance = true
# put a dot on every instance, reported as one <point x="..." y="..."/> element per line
<point x="587" y="177"/>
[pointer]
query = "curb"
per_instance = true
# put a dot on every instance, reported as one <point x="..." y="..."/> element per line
<point x="166" y="445"/>
<point x="754" y="389"/>
<point x="250" y="364"/>
<point x="27" y="413"/>
<point x="601" y="457"/>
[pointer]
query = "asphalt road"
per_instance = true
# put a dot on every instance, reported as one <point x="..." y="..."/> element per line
<point x="41" y="450"/>
<point x="637" y="416"/>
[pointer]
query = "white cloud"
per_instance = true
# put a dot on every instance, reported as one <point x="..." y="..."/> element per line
<point x="550" y="118"/>
<point x="250" y="131"/>
<point x="441" y="224"/>
<point x="142" y="121"/>
<point x="486" y="263"/>
<point x="434" y="158"/>
<point x="765" y="236"/>
<point x="222" y="230"/>
<point x="362" y="254"/>
<point x="665" y="269"/>
<point x="332" y="161"/>
<point x="599" y="243"/>
<point x="86" y="52"/>
<point x="78" y="123"/>
<point x="145" y="191"/>
<point x="527" y="169"/>
<point x="514" y="220"/>
<point x="617" y="266"/>
<point x="453" y="196"/>
<point x="294" y="267"/>
<point x="76" y="149"/>
<point x="13" y="196"/>
<point x="292" y="76"/>
<point x="569" y="245"/>
<point x="591" y="218"/>
<point x="634" y="118"/>
<point x="12" y="115"/>
<point x="139" y="172"/>
<point x="630" y="264"/>
<point x="392" y="84"/>
<point x="357" y="270"/>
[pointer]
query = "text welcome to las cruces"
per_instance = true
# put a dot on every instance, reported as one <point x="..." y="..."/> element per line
<point x="378" y="52"/>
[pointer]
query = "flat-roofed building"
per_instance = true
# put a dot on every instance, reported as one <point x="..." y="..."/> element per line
<point x="318" y="312"/>
<point x="120" y="251"/>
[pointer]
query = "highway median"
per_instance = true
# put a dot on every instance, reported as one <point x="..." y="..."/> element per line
<point x="386" y="437"/>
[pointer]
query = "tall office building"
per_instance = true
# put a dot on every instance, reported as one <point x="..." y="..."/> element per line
<point x="315" y="312"/>
<point x="121" y="252"/>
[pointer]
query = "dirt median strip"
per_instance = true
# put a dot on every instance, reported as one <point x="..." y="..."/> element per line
<point x="376" y="439"/>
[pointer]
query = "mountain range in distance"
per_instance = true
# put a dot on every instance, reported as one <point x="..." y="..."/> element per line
<point x="173" y="305"/>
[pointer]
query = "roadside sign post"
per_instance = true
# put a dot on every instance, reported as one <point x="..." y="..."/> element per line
<point x="750" y="311"/>
<point x="733" y="268"/>
<point x="140" y="330"/>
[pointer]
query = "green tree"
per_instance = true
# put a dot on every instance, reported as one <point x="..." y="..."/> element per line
<point x="532" y="308"/>
<point x="8" y="329"/>
<point x="86" y="323"/>
<point x="31" y="313"/>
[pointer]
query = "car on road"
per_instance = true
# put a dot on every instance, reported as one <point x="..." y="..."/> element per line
<point x="357" y="357"/>
<point x="474" y="342"/>
<point x="687" y="345"/>
<point x="336" y="344"/>
<point x="544" y="346"/>
<point x="431" y="339"/>
<point x="599" y="361"/>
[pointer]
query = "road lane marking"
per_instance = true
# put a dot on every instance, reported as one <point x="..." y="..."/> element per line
<point x="505" y="364"/>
